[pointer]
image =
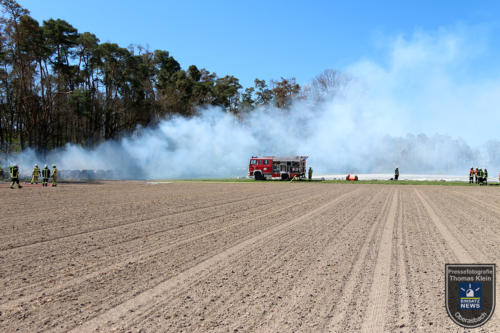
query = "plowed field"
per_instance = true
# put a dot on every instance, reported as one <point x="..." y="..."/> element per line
<point x="246" y="257"/>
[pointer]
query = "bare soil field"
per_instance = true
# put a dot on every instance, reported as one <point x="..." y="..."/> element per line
<point x="242" y="257"/>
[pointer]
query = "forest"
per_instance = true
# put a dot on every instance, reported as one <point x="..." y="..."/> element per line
<point x="59" y="86"/>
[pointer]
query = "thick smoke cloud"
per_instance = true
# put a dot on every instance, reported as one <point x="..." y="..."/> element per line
<point x="421" y="108"/>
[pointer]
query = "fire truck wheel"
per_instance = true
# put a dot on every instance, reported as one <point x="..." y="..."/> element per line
<point x="284" y="176"/>
<point x="258" y="176"/>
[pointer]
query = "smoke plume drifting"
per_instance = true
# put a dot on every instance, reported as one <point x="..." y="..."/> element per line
<point x="422" y="108"/>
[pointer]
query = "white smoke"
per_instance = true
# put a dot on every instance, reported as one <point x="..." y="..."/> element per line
<point x="422" y="108"/>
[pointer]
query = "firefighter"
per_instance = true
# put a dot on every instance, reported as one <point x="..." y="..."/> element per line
<point x="54" y="175"/>
<point x="476" y="174"/>
<point x="396" y="174"/>
<point x="480" y="173"/>
<point x="471" y="175"/>
<point x="45" y="175"/>
<point x="310" y="173"/>
<point x="1" y="172"/>
<point x="485" y="176"/>
<point x="35" y="174"/>
<point x="14" y="176"/>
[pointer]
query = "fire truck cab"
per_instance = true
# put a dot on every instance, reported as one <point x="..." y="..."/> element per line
<point x="276" y="167"/>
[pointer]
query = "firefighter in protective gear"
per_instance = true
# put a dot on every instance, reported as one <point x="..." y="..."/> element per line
<point x="310" y="173"/>
<point x="35" y="174"/>
<point x="45" y="175"/>
<point x="476" y="174"/>
<point x="1" y="172"/>
<point x="485" y="176"/>
<point x="14" y="176"/>
<point x="396" y="174"/>
<point x="480" y="174"/>
<point x="54" y="175"/>
<point x="471" y="175"/>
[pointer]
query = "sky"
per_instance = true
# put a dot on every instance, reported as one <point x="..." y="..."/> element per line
<point x="271" y="39"/>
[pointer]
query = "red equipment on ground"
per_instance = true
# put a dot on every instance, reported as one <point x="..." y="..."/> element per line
<point x="351" y="178"/>
<point x="275" y="167"/>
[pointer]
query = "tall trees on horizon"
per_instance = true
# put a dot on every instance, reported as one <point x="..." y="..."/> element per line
<point x="60" y="86"/>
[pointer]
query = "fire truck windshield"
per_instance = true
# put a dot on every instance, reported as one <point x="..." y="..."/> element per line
<point x="253" y="162"/>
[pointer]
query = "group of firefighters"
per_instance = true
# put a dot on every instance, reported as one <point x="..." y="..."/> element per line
<point x="46" y="173"/>
<point x="478" y="176"/>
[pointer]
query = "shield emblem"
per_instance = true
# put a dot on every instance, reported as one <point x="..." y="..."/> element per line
<point x="470" y="293"/>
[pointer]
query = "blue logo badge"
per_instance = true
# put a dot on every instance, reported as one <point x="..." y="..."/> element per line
<point x="469" y="296"/>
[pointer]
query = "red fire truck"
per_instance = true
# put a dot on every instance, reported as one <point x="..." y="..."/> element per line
<point x="275" y="167"/>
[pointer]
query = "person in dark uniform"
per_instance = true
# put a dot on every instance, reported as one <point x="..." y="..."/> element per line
<point x="14" y="176"/>
<point x="471" y="175"/>
<point x="396" y="174"/>
<point x="45" y="175"/>
<point x="310" y="173"/>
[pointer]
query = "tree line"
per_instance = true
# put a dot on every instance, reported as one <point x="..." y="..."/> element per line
<point x="60" y="86"/>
